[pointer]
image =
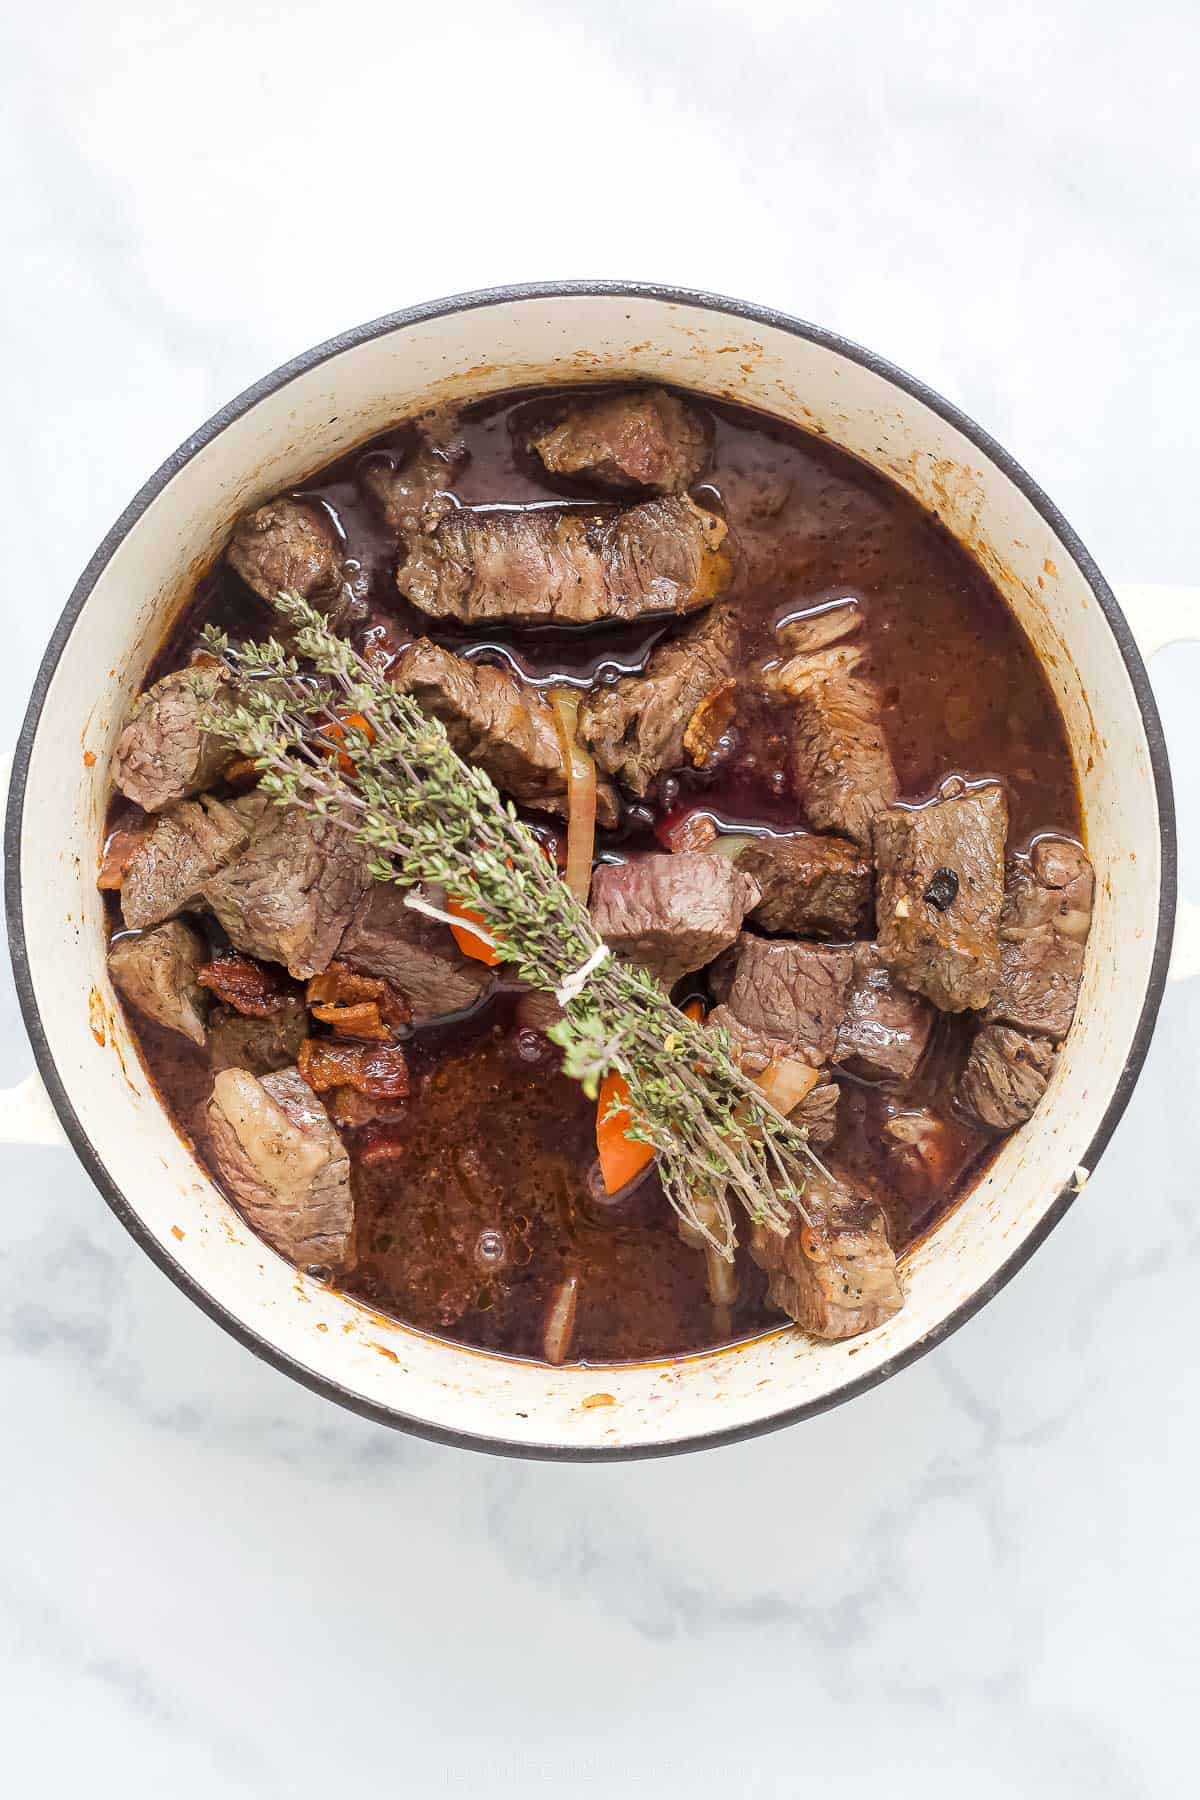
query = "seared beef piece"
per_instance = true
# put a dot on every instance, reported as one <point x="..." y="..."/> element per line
<point x="496" y="722"/>
<point x="837" y="1276"/>
<point x="185" y="849"/>
<point x="671" y="914"/>
<point x="416" y="955"/>
<point x="1043" y="935"/>
<point x="817" y="1112"/>
<point x="157" y="972"/>
<point x="1005" y="1077"/>
<point x="940" y="892"/>
<point x="164" y="754"/>
<point x="566" y="566"/>
<point x="261" y="1045"/>
<point x="642" y="439"/>
<point x="790" y="991"/>
<point x="811" y="886"/>
<point x="399" y="490"/>
<point x="885" y="1030"/>
<point x="288" y="545"/>
<point x="843" y="768"/>
<point x="290" y="894"/>
<point x="283" y="1162"/>
<point x="635" y="728"/>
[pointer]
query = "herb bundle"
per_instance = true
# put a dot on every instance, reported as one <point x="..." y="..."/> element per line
<point x="328" y="733"/>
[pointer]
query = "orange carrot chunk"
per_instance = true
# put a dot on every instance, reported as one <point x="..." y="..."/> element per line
<point x="468" y="941"/>
<point x="623" y="1157"/>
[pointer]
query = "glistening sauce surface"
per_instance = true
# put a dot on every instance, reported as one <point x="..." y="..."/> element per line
<point x="481" y="1203"/>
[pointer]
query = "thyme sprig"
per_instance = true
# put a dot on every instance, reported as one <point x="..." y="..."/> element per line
<point x="401" y="790"/>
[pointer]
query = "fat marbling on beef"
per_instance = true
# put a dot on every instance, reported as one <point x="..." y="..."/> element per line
<point x="498" y="723"/>
<point x="793" y="992"/>
<point x="156" y="972"/>
<point x="565" y="565"/>
<point x="811" y="886"/>
<point x="842" y="765"/>
<point x="940" y="893"/>
<point x="164" y="752"/>
<point x="276" y="1150"/>
<point x="1043" y="937"/>
<point x="635" y="728"/>
<point x="885" y="1028"/>
<point x="643" y="438"/>
<point x="671" y="914"/>
<point x="835" y="1276"/>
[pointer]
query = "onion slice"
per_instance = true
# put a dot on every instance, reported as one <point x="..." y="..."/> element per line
<point x="581" y="794"/>
<point x="559" y="1327"/>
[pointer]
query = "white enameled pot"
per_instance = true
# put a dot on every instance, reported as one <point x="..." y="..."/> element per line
<point x="315" y="409"/>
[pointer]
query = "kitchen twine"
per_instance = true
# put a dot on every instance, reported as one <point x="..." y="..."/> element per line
<point x="572" y="985"/>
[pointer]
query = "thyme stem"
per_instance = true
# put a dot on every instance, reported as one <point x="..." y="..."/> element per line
<point x="342" y="743"/>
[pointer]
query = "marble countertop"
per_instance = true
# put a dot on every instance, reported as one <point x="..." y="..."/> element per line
<point x="980" y="1577"/>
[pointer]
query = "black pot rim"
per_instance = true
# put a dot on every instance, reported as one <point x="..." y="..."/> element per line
<point x="552" y="290"/>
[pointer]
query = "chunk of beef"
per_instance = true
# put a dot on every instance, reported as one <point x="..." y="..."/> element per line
<point x="284" y="1163"/>
<point x="290" y="894"/>
<point x="400" y="489"/>
<point x="836" y="1276"/>
<point x="164" y="753"/>
<point x="940" y="892"/>
<point x="635" y="729"/>
<point x="416" y="955"/>
<point x="187" y="846"/>
<point x="671" y="914"/>
<point x="262" y="1045"/>
<point x="1006" y="1075"/>
<point x="755" y="1052"/>
<point x="885" y="1028"/>
<point x="496" y="722"/>
<point x="842" y="765"/>
<point x="288" y="545"/>
<point x="811" y="886"/>
<point x="786" y="990"/>
<point x="157" y="973"/>
<point x="566" y="565"/>
<point x="645" y="438"/>
<point x="1043" y="936"/>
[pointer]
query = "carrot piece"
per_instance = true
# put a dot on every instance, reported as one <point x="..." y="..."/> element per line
<point x="467" y="940"/>
<point x="334" y="735"/>
<point x="623" y="1157"/>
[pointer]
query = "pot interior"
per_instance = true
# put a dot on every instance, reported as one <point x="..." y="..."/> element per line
<point x="322" y="409"/>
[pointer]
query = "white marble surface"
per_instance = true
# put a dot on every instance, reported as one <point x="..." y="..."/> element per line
<point x="980" y="1578"/>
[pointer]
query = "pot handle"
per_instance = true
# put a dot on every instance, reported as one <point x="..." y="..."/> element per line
<point x="1159" y="616"/>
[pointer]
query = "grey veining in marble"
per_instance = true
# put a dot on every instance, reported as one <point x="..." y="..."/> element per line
<point x="980" y="1578"/>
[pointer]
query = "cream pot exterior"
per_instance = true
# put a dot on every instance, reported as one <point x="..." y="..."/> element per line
<point x="316" y="409"/>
